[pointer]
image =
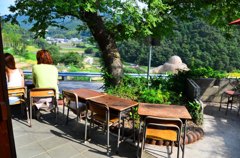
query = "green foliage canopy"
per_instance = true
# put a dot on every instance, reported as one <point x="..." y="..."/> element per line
<point x="125" y="19"/>
<point x="122" y="18"/>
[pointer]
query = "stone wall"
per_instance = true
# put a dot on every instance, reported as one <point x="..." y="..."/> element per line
<point x="211" y="88"/>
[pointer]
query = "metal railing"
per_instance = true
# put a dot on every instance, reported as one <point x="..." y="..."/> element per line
<point x="64" y="75"/>
<point x="193" y="89"/>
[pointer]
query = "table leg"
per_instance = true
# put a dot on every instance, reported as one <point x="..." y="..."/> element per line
<point x="184" y="136"/>
<point x="119" y="129"/>
<point x="30" y="121"/>
<point x="133" y="124"/>
<point x="139" y="132"/>
<point x="85" y="134"/>
<point x="27" y="108"/>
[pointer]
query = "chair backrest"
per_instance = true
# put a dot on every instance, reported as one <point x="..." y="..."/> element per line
<point x="151" y="121"/>
<point x="69" y="96"/>
<point x="97" y="108"/>
<point x="17" y="92"/>
<point x="42" y="92"/>
<point x="155" y="126"/>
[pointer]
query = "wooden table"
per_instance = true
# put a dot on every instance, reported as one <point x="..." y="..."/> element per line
<point x="85" y="94"/>
<point x="81" y="95"/>
<point x="119" y="105"/>
<point x="164" y="111"/>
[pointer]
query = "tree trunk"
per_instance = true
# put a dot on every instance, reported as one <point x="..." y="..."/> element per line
<point x="112" y="64"/>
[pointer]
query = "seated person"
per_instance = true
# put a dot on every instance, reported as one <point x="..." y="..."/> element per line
<point x="45" y="75"/>
<point x="14" y="76"/>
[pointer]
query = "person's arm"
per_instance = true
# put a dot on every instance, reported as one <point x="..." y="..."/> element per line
<point x="33" y="76"/>
<point x="7" y="75"/>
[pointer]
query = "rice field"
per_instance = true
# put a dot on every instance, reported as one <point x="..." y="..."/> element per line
<point x="32" y="49"/>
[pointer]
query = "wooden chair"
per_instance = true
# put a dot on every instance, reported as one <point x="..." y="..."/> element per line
<point x="231" y="95"/>
<point x="162" y="129"/>
<point x="17" y="97"/>
<point x="100" y="115"/>
<point x="42" y="93"/>
<point x="70" y="100"/>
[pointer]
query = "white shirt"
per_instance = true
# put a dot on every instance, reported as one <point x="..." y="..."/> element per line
<point x="15" y="79"/>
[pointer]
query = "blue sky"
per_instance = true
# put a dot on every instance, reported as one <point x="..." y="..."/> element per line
<point x="4" y="4"/>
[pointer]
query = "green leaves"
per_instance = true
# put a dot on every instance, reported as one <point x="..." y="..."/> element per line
<point x="155" y="96"/>
<point x="137" y="89"/>
<point x="195" y="110"/>
<point x="135" y="21"/>
<point x="206" y="72"/>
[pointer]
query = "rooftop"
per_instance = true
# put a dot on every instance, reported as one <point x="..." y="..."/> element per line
<point x="45" y="139"/>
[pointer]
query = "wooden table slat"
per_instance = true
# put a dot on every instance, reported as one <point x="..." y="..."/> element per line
<point x="86" y="93"/>
<point x="114" y="102"/>
<point x="162" y="110"/>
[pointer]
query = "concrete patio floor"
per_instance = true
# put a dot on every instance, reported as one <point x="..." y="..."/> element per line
<point x="45" y="139"/>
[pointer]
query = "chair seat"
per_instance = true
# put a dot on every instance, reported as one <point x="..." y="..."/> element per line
<point x="44" y="98"/>
<point x="160" y="134"/>
<point x="231" y="93"/>
<point x="14" y="100"/>
<point x="100" y="118"/>
<point x="79" y="106"/>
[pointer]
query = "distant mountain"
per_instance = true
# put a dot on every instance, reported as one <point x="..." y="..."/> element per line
<point x="23" y="24"/>
<point x="67" y="22"/>
<point x="70" y="23"/>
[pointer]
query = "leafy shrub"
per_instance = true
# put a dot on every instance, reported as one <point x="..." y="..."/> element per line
<point x="195" y="111"/>
<point x="80" y="45"/>
<point x="129" y="88"/>
<point x="206" y="72"/>
<point x="154" y="96"/>
<point x="137" y="89"/>
<point x="140" y="90"/>
<point x="88" y="51"/>
<point x="73" y="68"/>
<point x="41" y="43"/>
<point x="97" y="54"/>
<point x="72" y="58"/>
<point x="28" y="55"/>
<point x="174" y="84"/>
<point x="124" y="92"/>
<point x="56" y="56"/>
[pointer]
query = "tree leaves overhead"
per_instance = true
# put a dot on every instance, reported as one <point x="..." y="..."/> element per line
<point x="130" y="18"/>
<point x="124" y="19"/>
